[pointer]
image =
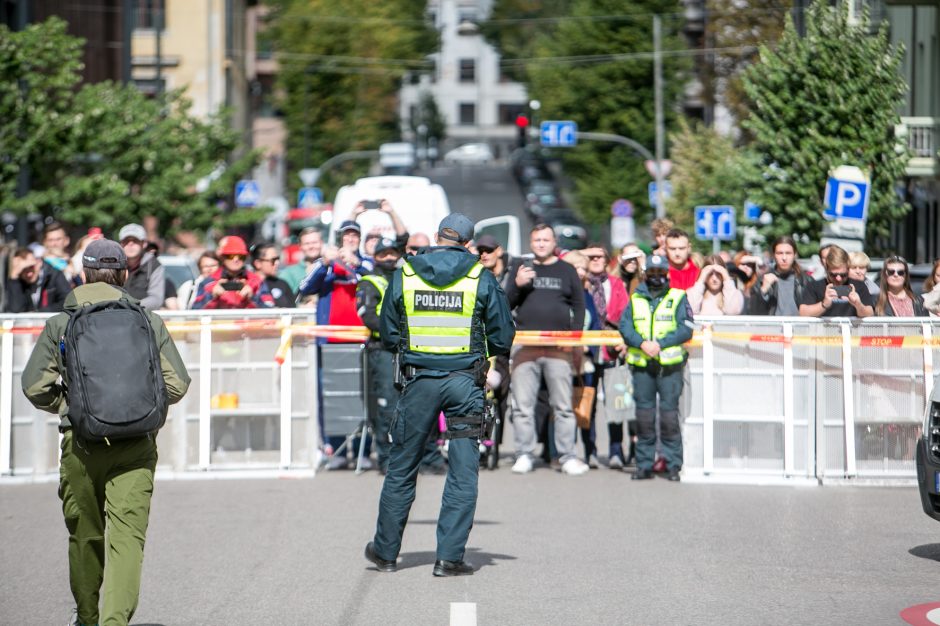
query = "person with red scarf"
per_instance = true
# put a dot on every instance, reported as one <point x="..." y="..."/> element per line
<point x="233" y="286"/>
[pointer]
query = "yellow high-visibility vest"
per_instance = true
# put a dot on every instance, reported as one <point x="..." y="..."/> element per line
<point x="654" y="325"/>
<point x="439" y="318"/>
<point x="381" y="284"/>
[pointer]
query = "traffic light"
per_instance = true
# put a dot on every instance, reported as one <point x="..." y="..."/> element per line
<point x="522" y="125"/>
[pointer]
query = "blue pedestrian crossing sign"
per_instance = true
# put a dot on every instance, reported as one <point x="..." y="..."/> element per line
<point x="848" y="191"/>
<point x="309" y="197"/>
<point x="247" y="193"/>
<point x="562" y="134"/>
<point x="715" y="222"/>
<point x="651" y="190"/>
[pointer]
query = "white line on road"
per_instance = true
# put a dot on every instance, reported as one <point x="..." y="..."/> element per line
<point x="463" y="614"/>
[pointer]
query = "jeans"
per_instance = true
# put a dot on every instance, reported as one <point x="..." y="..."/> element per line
<point x="529" y="366"/>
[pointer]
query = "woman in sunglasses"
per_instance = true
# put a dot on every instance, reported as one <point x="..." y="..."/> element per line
<point x="837" y="295"/>
<point x="897" y="299"/>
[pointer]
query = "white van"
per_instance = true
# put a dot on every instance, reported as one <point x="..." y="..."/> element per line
<point x="420" y="204"/>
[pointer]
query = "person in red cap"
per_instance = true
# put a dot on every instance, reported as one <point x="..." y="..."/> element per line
<point x="233" y="286"/>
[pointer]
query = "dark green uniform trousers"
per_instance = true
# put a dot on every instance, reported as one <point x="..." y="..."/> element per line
<point x="666" y="381"/>
<point x="422" y="399"/>
<point x="105" y="492"/>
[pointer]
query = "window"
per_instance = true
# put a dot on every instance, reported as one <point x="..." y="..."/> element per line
<point x="468" y="70"/>
<point x="145" y="13"/>
<point x="507" y="113"/>
<point x="468" y="114"/>
<point x="466" y="14"/>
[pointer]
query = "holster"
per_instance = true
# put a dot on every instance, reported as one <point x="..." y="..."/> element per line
<point x="480" y="370"/>
<point x="402" y="373"/>
<point x="475" y="422"/>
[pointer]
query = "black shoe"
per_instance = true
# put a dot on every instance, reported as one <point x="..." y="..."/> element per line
<point x="452" y="568"/>
<point x="433" y="469"/>
<point x="674" y="474"/>
<point x="642" y="474"/>
<point x="380" y="564"/>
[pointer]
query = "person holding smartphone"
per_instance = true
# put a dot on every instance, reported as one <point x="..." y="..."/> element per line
<point x="837" y="295"/>
<point x="233" y="286"/>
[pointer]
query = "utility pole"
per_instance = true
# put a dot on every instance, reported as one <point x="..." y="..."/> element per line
<point x="158" y="31"/>
<point x="660" y="126"/>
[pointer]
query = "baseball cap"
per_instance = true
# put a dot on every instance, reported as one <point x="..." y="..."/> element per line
<point x="104" y="254"/>
<point x="456" y="227"/>
<point x="385" y="244"/>
<point x="350" y="225"/>
<point x="132" y="230"/>
<point x="657" y="262"/>
<point x="232" y="245"/>
<point x="487" y="241"/>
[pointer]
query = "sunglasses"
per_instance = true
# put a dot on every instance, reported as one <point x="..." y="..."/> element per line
<point x="272" y="260"/>
<point x="234" y="257"/>
<point x="486" y="250"/>
<point x="594" y="257"/>
<point x="890" y="272"/>
<point x="839" y="275"/>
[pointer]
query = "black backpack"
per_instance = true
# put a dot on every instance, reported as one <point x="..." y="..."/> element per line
<point x="115" y="382"/>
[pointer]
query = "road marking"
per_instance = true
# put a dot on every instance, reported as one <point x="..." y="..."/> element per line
<point x="463" y="614"/>
<point x="920" y="615"/>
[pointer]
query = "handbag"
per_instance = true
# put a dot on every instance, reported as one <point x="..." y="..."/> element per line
<point x="618" y="394"/>
<point x="582" y="400"/>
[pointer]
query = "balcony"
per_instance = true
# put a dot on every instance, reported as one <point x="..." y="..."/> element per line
<point x="923" y="139"/>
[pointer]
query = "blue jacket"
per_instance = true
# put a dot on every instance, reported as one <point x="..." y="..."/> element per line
<point x="679" y="336"/>
<point x="324" y="278"/>
<point x="441" y="266"/>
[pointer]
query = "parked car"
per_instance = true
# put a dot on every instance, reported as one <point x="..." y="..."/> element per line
<point x="178" y="268"/>
<point x="928" y="457"/>
<point x="470" y="153"/>
<point x="541" y="196"/>
<point x="570" y="231"/>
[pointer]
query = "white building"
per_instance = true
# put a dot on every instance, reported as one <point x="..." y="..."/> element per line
<point x="477" y="100"/>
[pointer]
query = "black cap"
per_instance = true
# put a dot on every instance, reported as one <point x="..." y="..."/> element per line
<point x="104" y="254"/>
<point x="385" y="244"/>
<point x="456" y="227"/>
<point x="487" y="241"/>
<point x="350" y="225"/>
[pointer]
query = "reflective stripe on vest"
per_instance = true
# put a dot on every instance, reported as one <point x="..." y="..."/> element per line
<point x="656" y="325"/>
<point x="381" y="284"/>
<point x="439" y="318"/>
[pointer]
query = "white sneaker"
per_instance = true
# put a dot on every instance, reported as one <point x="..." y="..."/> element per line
<point x="337" y="463"/>
<point x="523" y="465"/>
<point x="615" y="463"/>
<point x="593" y="462"/>
<point x="574" y="467"/>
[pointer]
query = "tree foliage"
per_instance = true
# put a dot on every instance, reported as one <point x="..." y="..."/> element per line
<point x="827" y="99"/>
<point x="339" y="76"/>
<point x="609" y="89"/>
<point x="105" y="154"/>
<point x="707" y="170"/>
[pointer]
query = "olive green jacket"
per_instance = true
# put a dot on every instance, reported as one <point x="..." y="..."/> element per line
<point x="45" y="370"/>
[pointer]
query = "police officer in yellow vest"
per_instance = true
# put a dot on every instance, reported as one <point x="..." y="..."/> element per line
<point x="655" y="324"/>
<point x="382" y="393"/>
<point x="443" y="315"/>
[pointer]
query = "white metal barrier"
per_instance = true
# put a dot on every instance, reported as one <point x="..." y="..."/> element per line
<point x="767" y="399"/>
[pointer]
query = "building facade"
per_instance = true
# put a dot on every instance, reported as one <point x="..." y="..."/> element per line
<point x="478" y="102"/>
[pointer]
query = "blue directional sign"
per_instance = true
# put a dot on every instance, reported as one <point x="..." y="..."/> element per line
<point x="752" y="211"/>
<point x="559" y="134"/>
<point x="715" y="222"/>
<point x="247" y="193"/>
<point x="846" y="199"/>
<point x="651" y="189"/>
<point x="309" y="197"/>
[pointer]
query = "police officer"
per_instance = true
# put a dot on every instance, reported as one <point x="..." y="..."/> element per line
<point x="655" y="324"/>
<point x="105" y="487"/>
<point x="443" y="314"/>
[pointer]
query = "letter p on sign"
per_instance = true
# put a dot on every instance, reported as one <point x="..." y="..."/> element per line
<point x="847" y="194"/>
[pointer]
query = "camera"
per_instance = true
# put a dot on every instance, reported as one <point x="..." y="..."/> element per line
<point x="842" y="291"/>
<point x="232" y="285"/>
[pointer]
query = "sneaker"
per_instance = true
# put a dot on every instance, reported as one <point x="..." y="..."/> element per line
<point x="73" y="620"/>
<point x="367" y="464"/>
<point x="592" y="462"/>
<point x="337" y="463"/>
<point x="574" y="467"/>
<point x="523" y="465"/>
<point x="674" y="475"/>
<point x="615" y="463"/>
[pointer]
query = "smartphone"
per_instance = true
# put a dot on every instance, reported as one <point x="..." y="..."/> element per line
<point x="371" y="204"/>
<point x="232" y="285"/>
<point x="529" y="263"/>
<point x="631" y="255"/>
<point x="842" y="291"/>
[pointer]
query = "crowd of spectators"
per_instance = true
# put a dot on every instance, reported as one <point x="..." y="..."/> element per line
<point x="548" y="289"/>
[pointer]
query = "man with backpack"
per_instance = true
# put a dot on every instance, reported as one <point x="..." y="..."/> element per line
<point x="109" y="369"/>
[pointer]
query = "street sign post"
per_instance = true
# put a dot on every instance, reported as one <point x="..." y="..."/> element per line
<point x="651" y="190"/>
<point x="247" y="193"/>
<point x="559" y="134"/>
<point x="309" y="197"/>
<point x="717" y="223"/>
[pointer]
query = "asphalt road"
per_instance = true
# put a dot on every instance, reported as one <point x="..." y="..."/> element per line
<point x="549" y="549"/>
<point x="481" y="191"/>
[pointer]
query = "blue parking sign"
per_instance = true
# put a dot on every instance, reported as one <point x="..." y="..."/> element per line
<point x="847" y="194"/>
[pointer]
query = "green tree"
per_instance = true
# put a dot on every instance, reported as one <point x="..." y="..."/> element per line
<point x="106" y="154"/>
<point x="429" y="114"/>
<point x="707" y="169"/>
<point x="340" y="75"/>
<point x="827" y="99"/>
<point x="513" y="27"/>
